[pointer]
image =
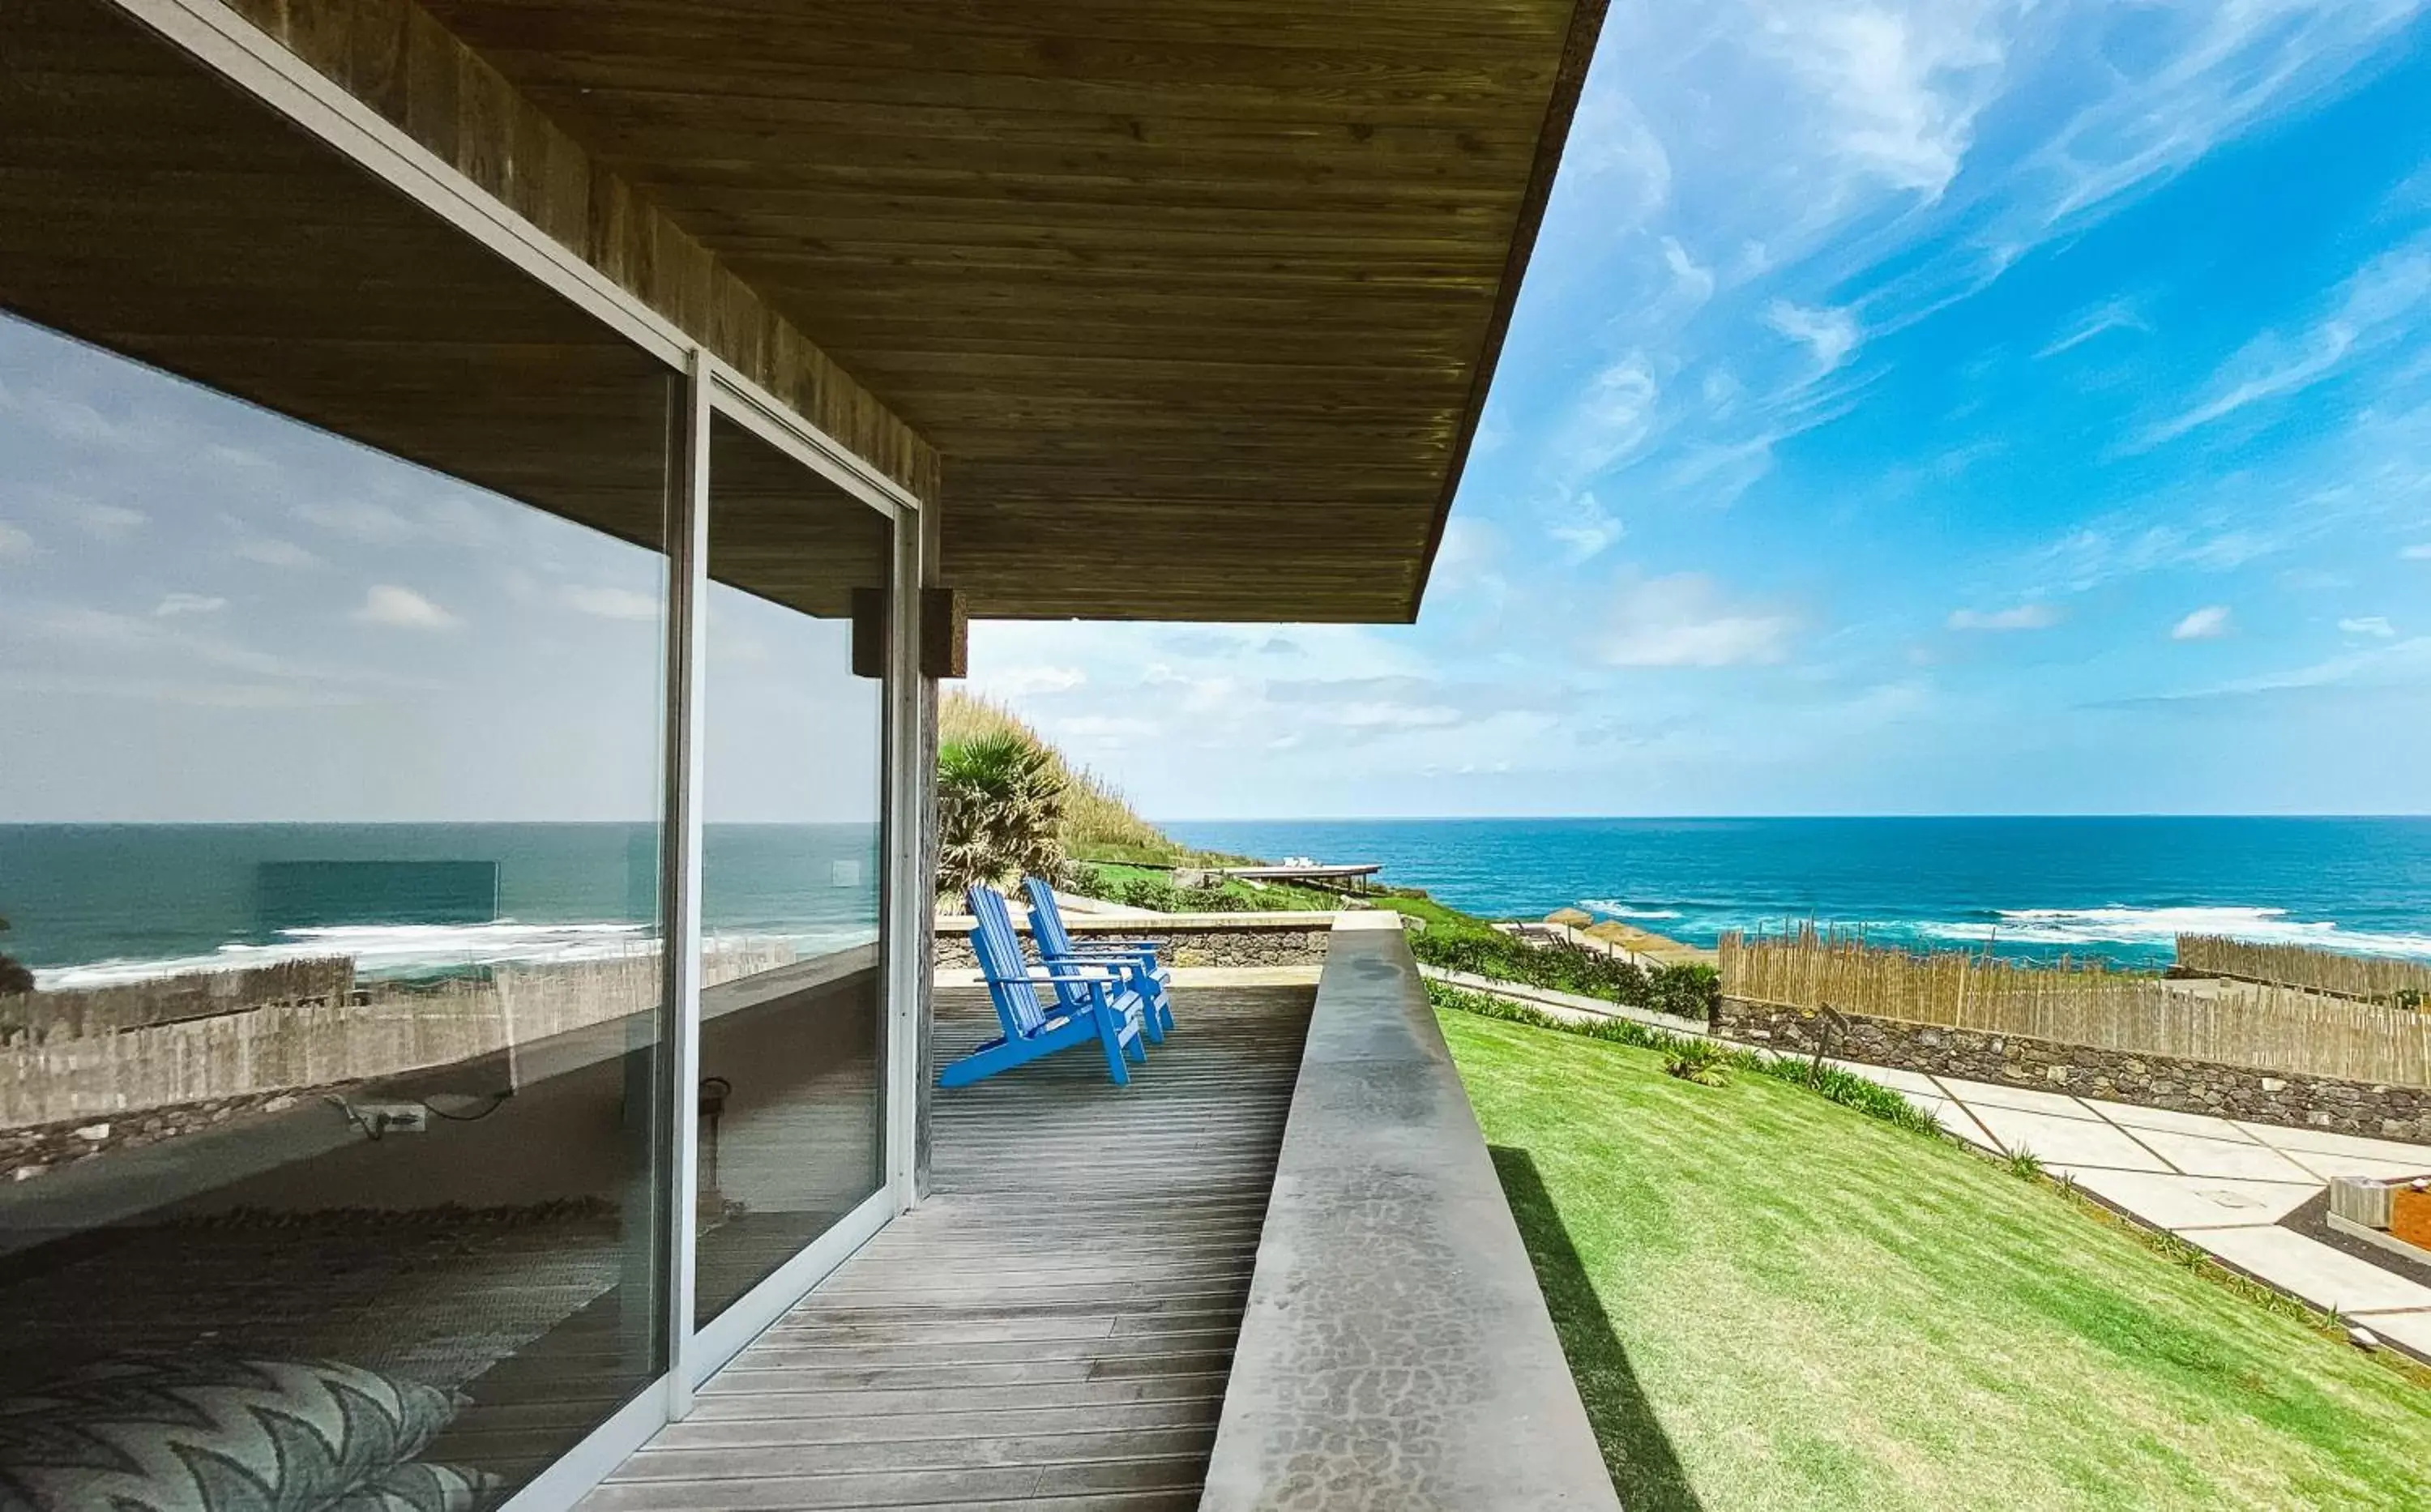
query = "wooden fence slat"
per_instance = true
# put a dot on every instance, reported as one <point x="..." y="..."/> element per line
<point x="2261" y="1026"/>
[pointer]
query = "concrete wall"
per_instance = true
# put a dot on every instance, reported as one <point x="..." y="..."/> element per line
<point x="2377" y="1111"/>
<point x="1397" y="1352"/>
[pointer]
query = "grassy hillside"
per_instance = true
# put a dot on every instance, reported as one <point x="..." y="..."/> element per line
<point x="1775" y="1302"/>
<point x="1098" y="824"/>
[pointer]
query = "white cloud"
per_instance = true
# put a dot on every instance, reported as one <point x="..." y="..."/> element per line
<point x="15" y="545"/>
<point x="1034" y="681"/>
<point x="172" y="605"/>
<point x="2416" y="553"/>
<point x="402" y="609"/>
<point x="2375" y="626"/>
<point x="611" y="603"/>
<point x="1684" y="620"/>
<point x="1610" y="420"/>
<point x="2032" y="616"/>
<point x="109" y="522"/>
<point x="2208" y="623"/>
<point x="358" y="520"/>
<point x="1899" y="92"/>
<point x="1693" y="284"/>
<point x="1831" y="335"/>
<point x="2118" y="314"/>
<point x="271" y="551"/>
<point x="1586" y="529"/>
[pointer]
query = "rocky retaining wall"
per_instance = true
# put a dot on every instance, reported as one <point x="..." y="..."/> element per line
<point x="2117" y="1076"/>
<point x="1180" y="943"/>
<point x="25" y="1154"/>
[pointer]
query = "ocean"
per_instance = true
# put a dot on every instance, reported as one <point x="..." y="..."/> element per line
<point x="96" y="904"/>
<point x="2122" y="888"/>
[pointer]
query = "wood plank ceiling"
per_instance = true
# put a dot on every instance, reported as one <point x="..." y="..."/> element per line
<point x="1197" y="300"/>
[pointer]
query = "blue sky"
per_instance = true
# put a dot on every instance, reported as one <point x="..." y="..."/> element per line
<point x="1940" y="407"/>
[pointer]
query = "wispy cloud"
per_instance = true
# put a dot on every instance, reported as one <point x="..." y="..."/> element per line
<point x="395" y="608"/>
<point x="108" y="522"/>
<point x="172" y="605"/>
<point x="1686" y="621"/>
<point x="611" y="603"/>
<point x="2421" y="552"/>
<point x="274" y="551"/>
<point x="2208" y="623"/>
<point x="15" y="545"/>
<point x="1831" y="335"/>
<point x="2375" y="626"/>
<point x="1586" y="529"/>
<point x="2029" y="616"/>
<point x="2379" y="303"/>
<point x="2115" y="314"/>
<point x="1898" y="89"/>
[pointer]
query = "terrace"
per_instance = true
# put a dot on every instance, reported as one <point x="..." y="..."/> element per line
<point x="1233" y="1260"/>
<point x="662" y="388"/>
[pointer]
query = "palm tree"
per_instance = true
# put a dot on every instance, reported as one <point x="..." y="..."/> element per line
<point x="14" y="978"/>
<point x="1000" y="812"/>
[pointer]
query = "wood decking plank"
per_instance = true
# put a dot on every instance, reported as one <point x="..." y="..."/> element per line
<point x="1052" y="1329"/>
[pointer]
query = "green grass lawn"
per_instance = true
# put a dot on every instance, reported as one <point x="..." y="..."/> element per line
<point x="1771" y="1301"/>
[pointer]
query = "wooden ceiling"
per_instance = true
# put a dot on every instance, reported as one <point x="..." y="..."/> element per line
<point x="200" y="234"/>
<point x="1197" y="299"/>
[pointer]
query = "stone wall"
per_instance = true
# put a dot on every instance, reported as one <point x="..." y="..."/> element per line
<point x="28" y="1152"/>
<point x="1197" y="944"/>
<point x="2117" y="1076"/>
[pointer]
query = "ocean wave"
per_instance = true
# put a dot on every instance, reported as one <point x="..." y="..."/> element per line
<point x="2121" y="925"/>
<point x="378" y="950"/>
<point x="1598" y="905"/>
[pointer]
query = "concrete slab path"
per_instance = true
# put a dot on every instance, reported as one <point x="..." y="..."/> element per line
<point x="2218" y="1183"/>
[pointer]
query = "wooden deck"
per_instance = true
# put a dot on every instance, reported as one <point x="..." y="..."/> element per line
<point x="1053" y="1328"/>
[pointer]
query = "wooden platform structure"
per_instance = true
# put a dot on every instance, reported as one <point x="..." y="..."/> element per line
<point x="1053" y="1328"/>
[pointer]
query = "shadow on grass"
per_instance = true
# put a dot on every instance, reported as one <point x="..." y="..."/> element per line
<point x="1645" y="1470"/>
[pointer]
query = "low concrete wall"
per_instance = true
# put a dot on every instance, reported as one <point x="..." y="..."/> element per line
<point x="1182" y="939"/>
<point x="2117" y="1076"/>
<point x="1397" y="1352"/>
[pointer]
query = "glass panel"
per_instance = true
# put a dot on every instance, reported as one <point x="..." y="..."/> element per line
<point x="329" y="786"/>
<point x="793" y="1004"/>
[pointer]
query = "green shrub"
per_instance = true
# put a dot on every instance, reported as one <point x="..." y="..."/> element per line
<point x="1682" y="991"/>
<point x="1699" y="1061"/>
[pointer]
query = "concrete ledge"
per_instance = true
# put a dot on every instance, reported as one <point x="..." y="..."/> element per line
<point x="1396" y="1352"/>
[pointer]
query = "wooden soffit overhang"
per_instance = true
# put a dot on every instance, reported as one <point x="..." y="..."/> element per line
<point x="1191" y="305"/>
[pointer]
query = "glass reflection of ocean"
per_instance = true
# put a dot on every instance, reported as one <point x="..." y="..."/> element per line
<point x="96" y="904"/>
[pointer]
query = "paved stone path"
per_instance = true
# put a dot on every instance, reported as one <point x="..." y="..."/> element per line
<point x="2221" y="1184"/>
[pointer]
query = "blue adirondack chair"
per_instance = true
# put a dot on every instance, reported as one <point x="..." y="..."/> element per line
<point x="1136" y="959"/>
<point x="1105" y="1011"/>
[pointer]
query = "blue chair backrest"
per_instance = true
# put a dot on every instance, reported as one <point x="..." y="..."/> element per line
<point x="1000" y="962"/>
<point x="1045" y="921"/>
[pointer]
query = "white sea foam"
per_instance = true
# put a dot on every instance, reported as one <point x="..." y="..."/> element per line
<point x="378" y="949"/>
<point x="1598" y="905"/>
<point x="2117" y="925"/>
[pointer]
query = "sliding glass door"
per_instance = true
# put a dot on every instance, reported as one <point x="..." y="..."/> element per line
<point x="793" y="1005"/>
<point x="350" y="1045"/>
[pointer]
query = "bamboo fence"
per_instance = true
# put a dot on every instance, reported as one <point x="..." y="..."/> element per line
<point x="2375" y="978"/>
<point x="59" y="1077"/>
<point x="2261" y="1027"/>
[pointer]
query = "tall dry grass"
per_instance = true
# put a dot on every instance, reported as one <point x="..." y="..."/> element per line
<point x="1097" y="818"/>
<point x="2264" y="1028"/>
